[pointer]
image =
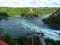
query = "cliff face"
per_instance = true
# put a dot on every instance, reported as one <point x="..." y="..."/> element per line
<point x="54" y="19"/>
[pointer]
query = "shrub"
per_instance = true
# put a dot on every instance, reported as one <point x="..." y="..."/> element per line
<point x="10" y="40"/>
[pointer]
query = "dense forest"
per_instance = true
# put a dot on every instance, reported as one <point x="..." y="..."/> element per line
<point x="54" y="19"/>
<point x="18" y="11"/>
<point x="27" y="12"/>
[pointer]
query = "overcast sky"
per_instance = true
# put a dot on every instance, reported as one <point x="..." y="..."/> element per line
<point x="30" y="3"/>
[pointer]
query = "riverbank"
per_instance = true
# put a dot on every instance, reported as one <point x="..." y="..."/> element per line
<point x="53" y="20"/>
<point x="27" y="11"/>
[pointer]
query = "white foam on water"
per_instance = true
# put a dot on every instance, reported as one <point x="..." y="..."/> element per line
<point x="14" y="23"/>
<point x="52" y="34"/>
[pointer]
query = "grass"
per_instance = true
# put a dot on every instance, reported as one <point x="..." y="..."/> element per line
<point x="18" y="11"/>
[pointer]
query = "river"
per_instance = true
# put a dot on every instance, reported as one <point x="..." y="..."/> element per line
<point x="17" y="25"/>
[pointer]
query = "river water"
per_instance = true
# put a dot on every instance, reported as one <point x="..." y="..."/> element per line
<point x="16" y="26"/>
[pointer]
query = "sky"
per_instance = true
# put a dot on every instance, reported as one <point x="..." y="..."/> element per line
<point x="30" y="3"/>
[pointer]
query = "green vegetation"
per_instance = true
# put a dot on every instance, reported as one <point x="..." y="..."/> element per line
<point x="30" y="15"/>
<point x="3" y="16"/>
<point x="54" y="19"/>
<point x="52" y="42"/>
<point x="26" y="11"/>
<point x="9" y="39"/>
<point x="23" y="40"/>
<point x="1" y="32"/>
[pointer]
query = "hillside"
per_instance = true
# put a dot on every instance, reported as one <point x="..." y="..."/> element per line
<point x="18" y="11"/>
<point x="54" y="19"/>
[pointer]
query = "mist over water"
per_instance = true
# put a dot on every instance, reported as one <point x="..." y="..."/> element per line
<point x="17" y="26"/>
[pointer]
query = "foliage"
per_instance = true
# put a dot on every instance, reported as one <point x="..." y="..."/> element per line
<point x="10" y="40"/>
<point x="30" y="15"/>
<point x="3" y="16"/>
<point x="52" y="42"/>
<point x="1" y="30"/>
<point x="23" y="40"/>
<point x="18" y="11"/>
<point x="53" y="20"/>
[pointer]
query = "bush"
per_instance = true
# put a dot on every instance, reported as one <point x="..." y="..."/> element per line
<point x="30" y="15"/>
<point x="10" y="40"/>
<point x="23" y="40"/>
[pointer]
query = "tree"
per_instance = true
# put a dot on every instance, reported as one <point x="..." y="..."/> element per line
<point x="10" y="40"/>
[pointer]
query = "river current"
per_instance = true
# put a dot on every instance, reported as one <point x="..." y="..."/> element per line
<point x="17" y="25"/>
